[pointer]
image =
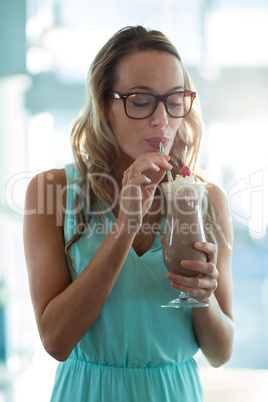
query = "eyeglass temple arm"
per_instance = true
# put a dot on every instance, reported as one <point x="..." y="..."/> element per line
<point x="114" y="95"/>
<point x="191" y="94"/>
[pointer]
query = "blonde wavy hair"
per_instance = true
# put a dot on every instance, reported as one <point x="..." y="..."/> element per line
<point x="94" y="145"/>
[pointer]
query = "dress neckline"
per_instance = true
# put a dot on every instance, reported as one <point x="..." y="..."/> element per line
<point x="109" y="215"/>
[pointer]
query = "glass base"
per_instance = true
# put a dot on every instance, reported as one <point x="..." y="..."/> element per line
<point x="184" y="300"/>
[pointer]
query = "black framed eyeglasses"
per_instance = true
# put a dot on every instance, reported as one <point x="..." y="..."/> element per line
<point x="140" y="105"/>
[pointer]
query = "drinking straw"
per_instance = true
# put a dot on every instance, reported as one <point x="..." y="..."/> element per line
<point x="162" y="150"/>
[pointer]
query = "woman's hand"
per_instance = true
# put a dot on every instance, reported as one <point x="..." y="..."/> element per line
<point x="202" y="286"/>
<point x="213" y="325"/>
<point x="139" y="184"/>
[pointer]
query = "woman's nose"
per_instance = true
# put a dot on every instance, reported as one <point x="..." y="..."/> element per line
<point x="160" y="116"/>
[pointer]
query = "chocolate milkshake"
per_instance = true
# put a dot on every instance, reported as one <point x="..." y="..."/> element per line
<point x="184" y="224"/>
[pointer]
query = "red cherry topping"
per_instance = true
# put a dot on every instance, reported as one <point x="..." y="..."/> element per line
<point x="185" y="171"/>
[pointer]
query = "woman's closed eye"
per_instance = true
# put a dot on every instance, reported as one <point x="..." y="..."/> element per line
<point x="175" y="105"/>
<point x="140" y="105"/>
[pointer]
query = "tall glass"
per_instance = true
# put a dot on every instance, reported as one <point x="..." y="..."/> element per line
<point x="184" y="227"/>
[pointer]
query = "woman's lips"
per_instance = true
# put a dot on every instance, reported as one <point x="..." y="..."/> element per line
<point x="154" y="141"/>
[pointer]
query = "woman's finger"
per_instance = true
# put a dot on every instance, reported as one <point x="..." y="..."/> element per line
<point x="195" y="287"/>
<point x="205" y="268"/>
<point x="210" y="249"/>
<point x="152" y="162"/>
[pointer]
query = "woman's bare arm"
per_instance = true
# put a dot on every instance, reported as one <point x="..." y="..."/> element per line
<point x="214" y="325"/>
<point x="65" y="310"/>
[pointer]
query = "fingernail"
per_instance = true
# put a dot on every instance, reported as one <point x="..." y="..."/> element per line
<point x="199" y="245"/>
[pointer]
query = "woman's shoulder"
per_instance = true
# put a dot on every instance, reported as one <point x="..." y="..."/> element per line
<point x="219" y="202"/>
<point x="50" y="177"/>
<point x="58" y="177"/>
<point x="216" y="194"/>
<point x="45" y="194"/>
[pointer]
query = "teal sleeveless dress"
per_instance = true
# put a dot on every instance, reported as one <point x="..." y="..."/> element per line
<point x="136" y="351"/>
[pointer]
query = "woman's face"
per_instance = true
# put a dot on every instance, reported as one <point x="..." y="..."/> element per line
<point x="149" y="71"/>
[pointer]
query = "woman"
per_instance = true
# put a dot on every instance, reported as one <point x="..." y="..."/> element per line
<point x="93" y="250"/>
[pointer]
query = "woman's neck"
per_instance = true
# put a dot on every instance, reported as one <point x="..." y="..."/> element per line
<point x="123" y="163"/>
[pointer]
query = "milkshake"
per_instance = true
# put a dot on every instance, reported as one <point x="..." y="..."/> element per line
<point x="184" y="224"/>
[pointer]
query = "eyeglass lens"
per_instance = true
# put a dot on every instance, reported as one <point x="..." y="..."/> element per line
<point x="141" y="105"/>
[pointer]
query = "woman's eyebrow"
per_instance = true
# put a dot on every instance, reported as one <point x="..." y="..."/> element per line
<point x="180" y="87"/>
<point x="148" y="89"/>
<point x="142" y="87"/>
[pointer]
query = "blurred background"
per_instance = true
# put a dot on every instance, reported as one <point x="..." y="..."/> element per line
<point x="46" y="47"/>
